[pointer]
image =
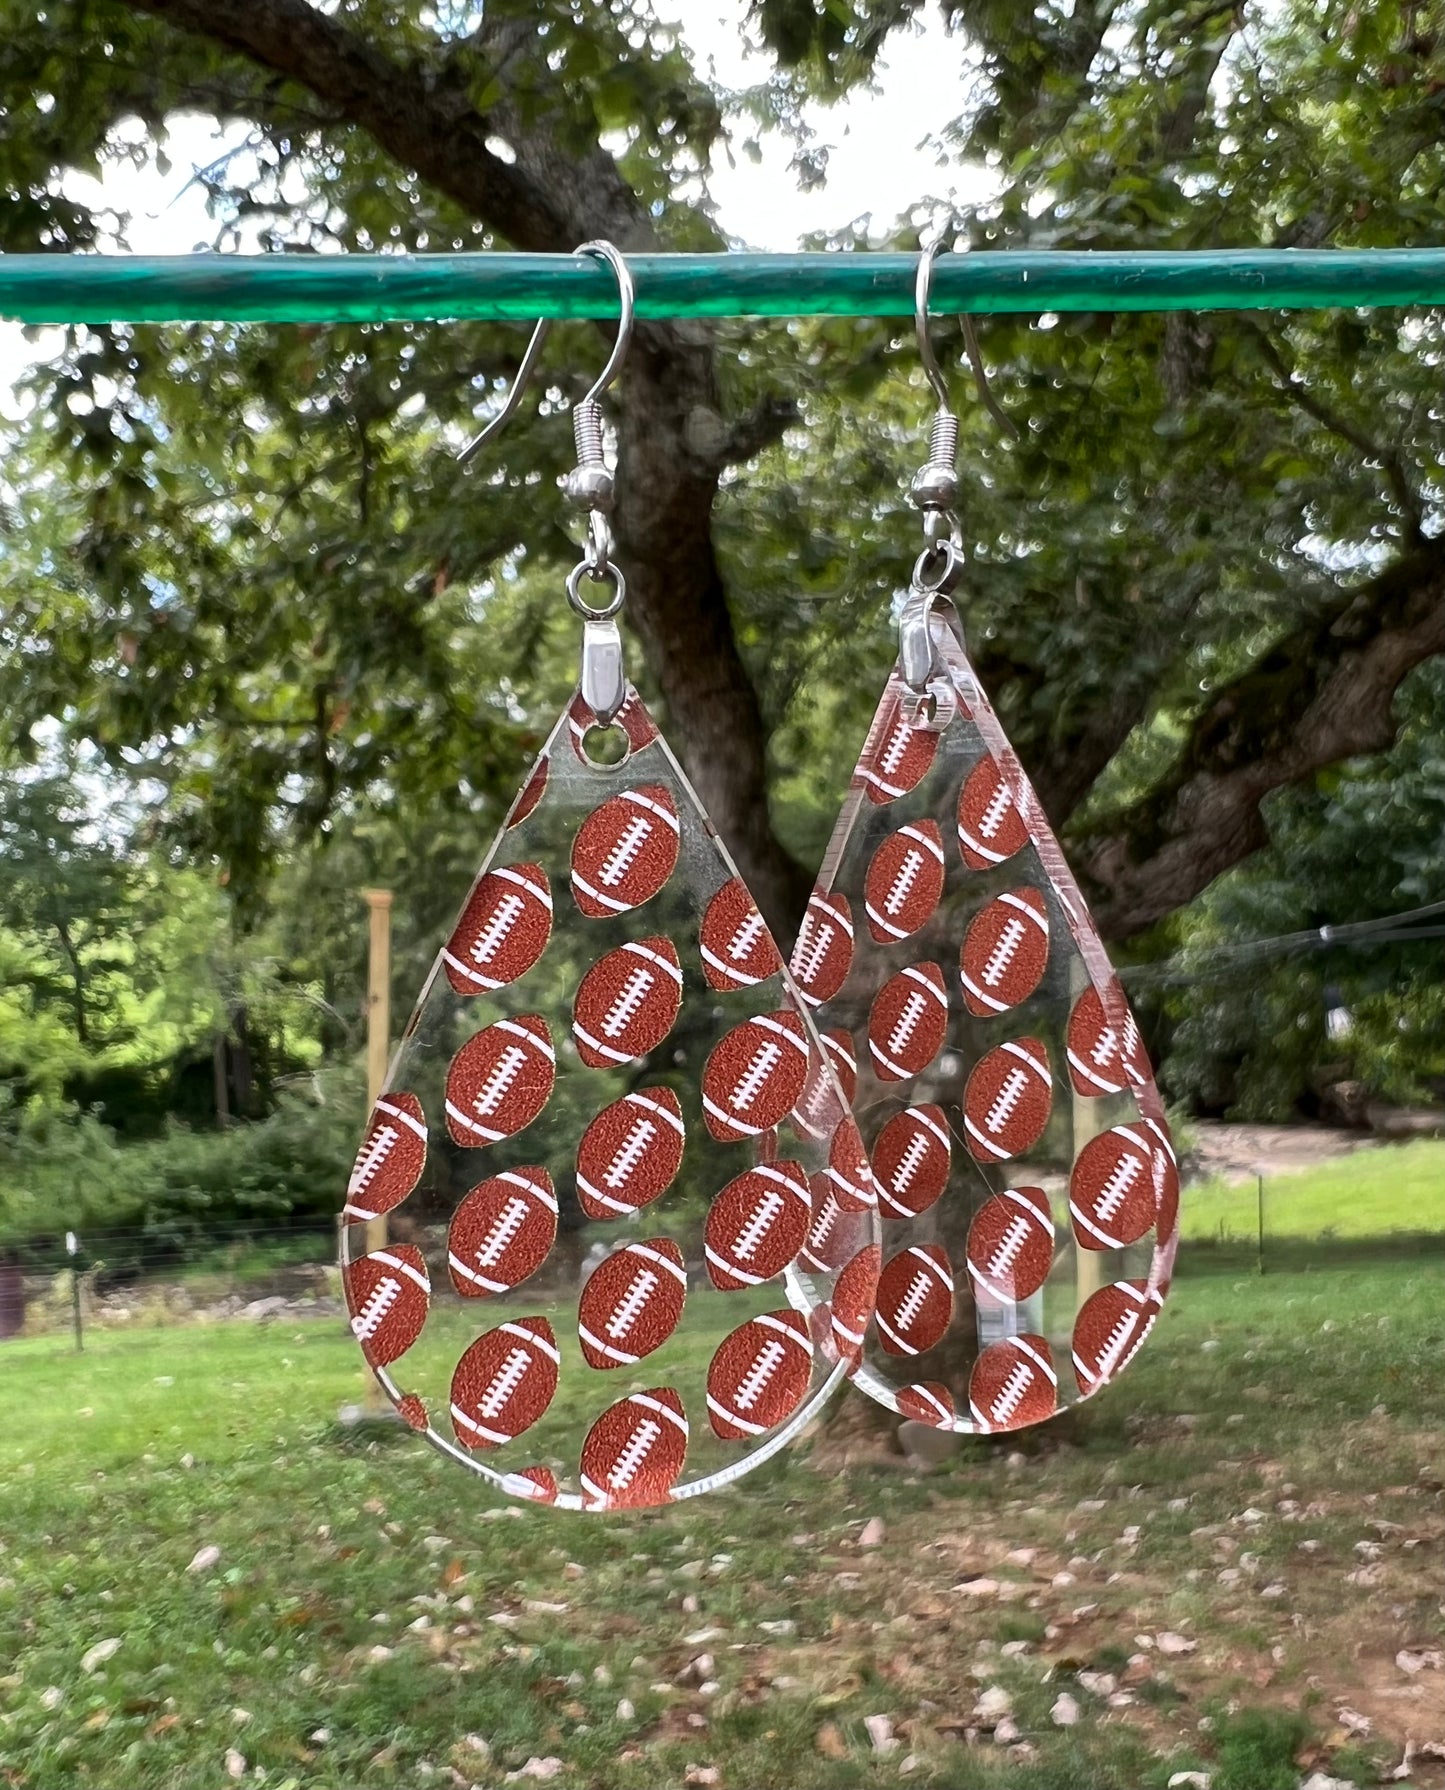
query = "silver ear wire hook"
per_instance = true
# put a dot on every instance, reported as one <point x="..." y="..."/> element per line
<point x="520" y="381"/>
<point x="922" y="292"/>
<point x="588" y="486"/>
<point x="627" y="299"/>
<point x="938" y="568"/>
<point x="626" y="311"/>
<point x="935" y="486"/>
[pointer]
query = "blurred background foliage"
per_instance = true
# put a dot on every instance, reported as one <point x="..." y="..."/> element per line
<point x="262" y="643"/>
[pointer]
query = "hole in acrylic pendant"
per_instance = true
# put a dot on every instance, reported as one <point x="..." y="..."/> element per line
<point x="606" y="747"/>
<point x="633" y="1242"/>
<point x="1025" y="1175"/>
<point x="930" y="710"/>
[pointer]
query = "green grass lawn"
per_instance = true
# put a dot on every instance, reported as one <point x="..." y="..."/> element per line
<point x="1396" y="1190"/>
<point x="1266" y="1483"/>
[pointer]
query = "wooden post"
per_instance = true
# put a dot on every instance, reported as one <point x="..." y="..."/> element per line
<point x="378" y="1054"/>
<point x="378" y="1010"/>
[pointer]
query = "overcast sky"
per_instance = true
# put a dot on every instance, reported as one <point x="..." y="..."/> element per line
<point x="877" y="166"/>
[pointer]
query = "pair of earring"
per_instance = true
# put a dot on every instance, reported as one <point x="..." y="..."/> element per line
<point x="686" y="1190"/>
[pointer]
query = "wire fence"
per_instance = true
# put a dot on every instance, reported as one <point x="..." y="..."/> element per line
<point x="1356" y="1205"/>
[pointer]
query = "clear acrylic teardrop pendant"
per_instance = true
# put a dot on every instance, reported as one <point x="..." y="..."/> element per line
<point x="1024" y="1171"/>
<point x="600" y="1150"/>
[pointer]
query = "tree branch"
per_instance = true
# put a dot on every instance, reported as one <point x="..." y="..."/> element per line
<point x="564" y="186"/>
<point x="1322" y="694"/>
<point x="425" y="119"/>
<point x="1289" y="385"/>
<point x="764" y="424"/>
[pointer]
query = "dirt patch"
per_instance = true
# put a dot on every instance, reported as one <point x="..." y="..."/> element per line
<point x="1240" y="1152"/>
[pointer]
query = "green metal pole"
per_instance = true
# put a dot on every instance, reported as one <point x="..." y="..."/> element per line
<point x="376" y="288"/>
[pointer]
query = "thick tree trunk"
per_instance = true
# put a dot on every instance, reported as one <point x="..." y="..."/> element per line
<point x="673" y="441"/>
<point x="526" y="168"/>
<point x="665" y="496"/>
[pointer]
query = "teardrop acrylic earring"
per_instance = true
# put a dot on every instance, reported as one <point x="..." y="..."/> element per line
<point x="599" y="1140"/>
<point x="1024" y="1170"/>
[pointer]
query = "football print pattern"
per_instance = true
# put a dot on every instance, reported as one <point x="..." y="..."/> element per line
<point x="625" y="851"/>
<point x="737" y="949"/>
<point x="908" y="1022"/>
<point x="630" y="1153"/>
<point x="502" y="1232"/>
<point x="504" y="1382"/>
<point x="503" y="930"/>
<point x="823" y="954"/>
<point x="632" y="1303"/>
<point x="500" y="1080"/>
<point x="610" y="1107"/>
<point x="635" y="1450"/>
<point x="1011" y="1246"/>
<point x="905" y="880"/>
<point x="911" y="1160"/>
<point x="754" y="1076"/>
<point x="627" y="1003"/>
<point x="759" y="1375"/>
<point x="391" y="1158"/>
<point x="387" y="1294"/>
<point x="757" y="1225"/>
<point x="1013" y="1384"/>
<point x="1018" y="1146"/>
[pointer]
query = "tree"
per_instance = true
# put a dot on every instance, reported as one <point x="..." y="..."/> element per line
<point x="119" y="972"/>
<point x="67" y="889"/>
<point x="1201" y="568"/>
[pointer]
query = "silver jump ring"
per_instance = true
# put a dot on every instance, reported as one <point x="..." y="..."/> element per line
<point x="933" y="577"/>
<point x="599" y="576"/>
<point x="597" y="554"/>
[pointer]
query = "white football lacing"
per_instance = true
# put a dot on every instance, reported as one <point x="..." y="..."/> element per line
<point x="1131" y="1047"/>
<point x="1007" y="1253"/>
<point x="632" y="1304"/>
<point x="620" y="859"/>
<point x="755" y="1381"/>
<point x="913" y="1300"/>
<point x="819" y="1094"/>
<point x="374" y="1153"/>
<point x="1116" y="1189"/>
<point x="489" y="940"/>
<point x="504" y="1383"/>
<point x="1011" y="1393"/>
<point x="624" y="1008"/>
<point x="909" y="1163"/>
<point x="509" y="1222"/>
<point x="1008" y="1098"/>
<point x="759" y="1223"/>
<point x="634" y="1454"/>
<point x="813" y="947"/>
<point x="494" y="1089"/>
<point x="383" y="1296"/>
<point x="913" y="1010"/>
<point x="891" y="756"/>
<point x="1116" y="1343"/>
<point x="745" y="937"/>
<point x="764" y="1060"/>
<point x="823" y="1224"/>
<point x="1106" y="1048"/>
<point x="1004" y="952"/>
<point x="633" y="1148"/>
<point x="993" y="815"/>
<point x="902" y="883"/>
